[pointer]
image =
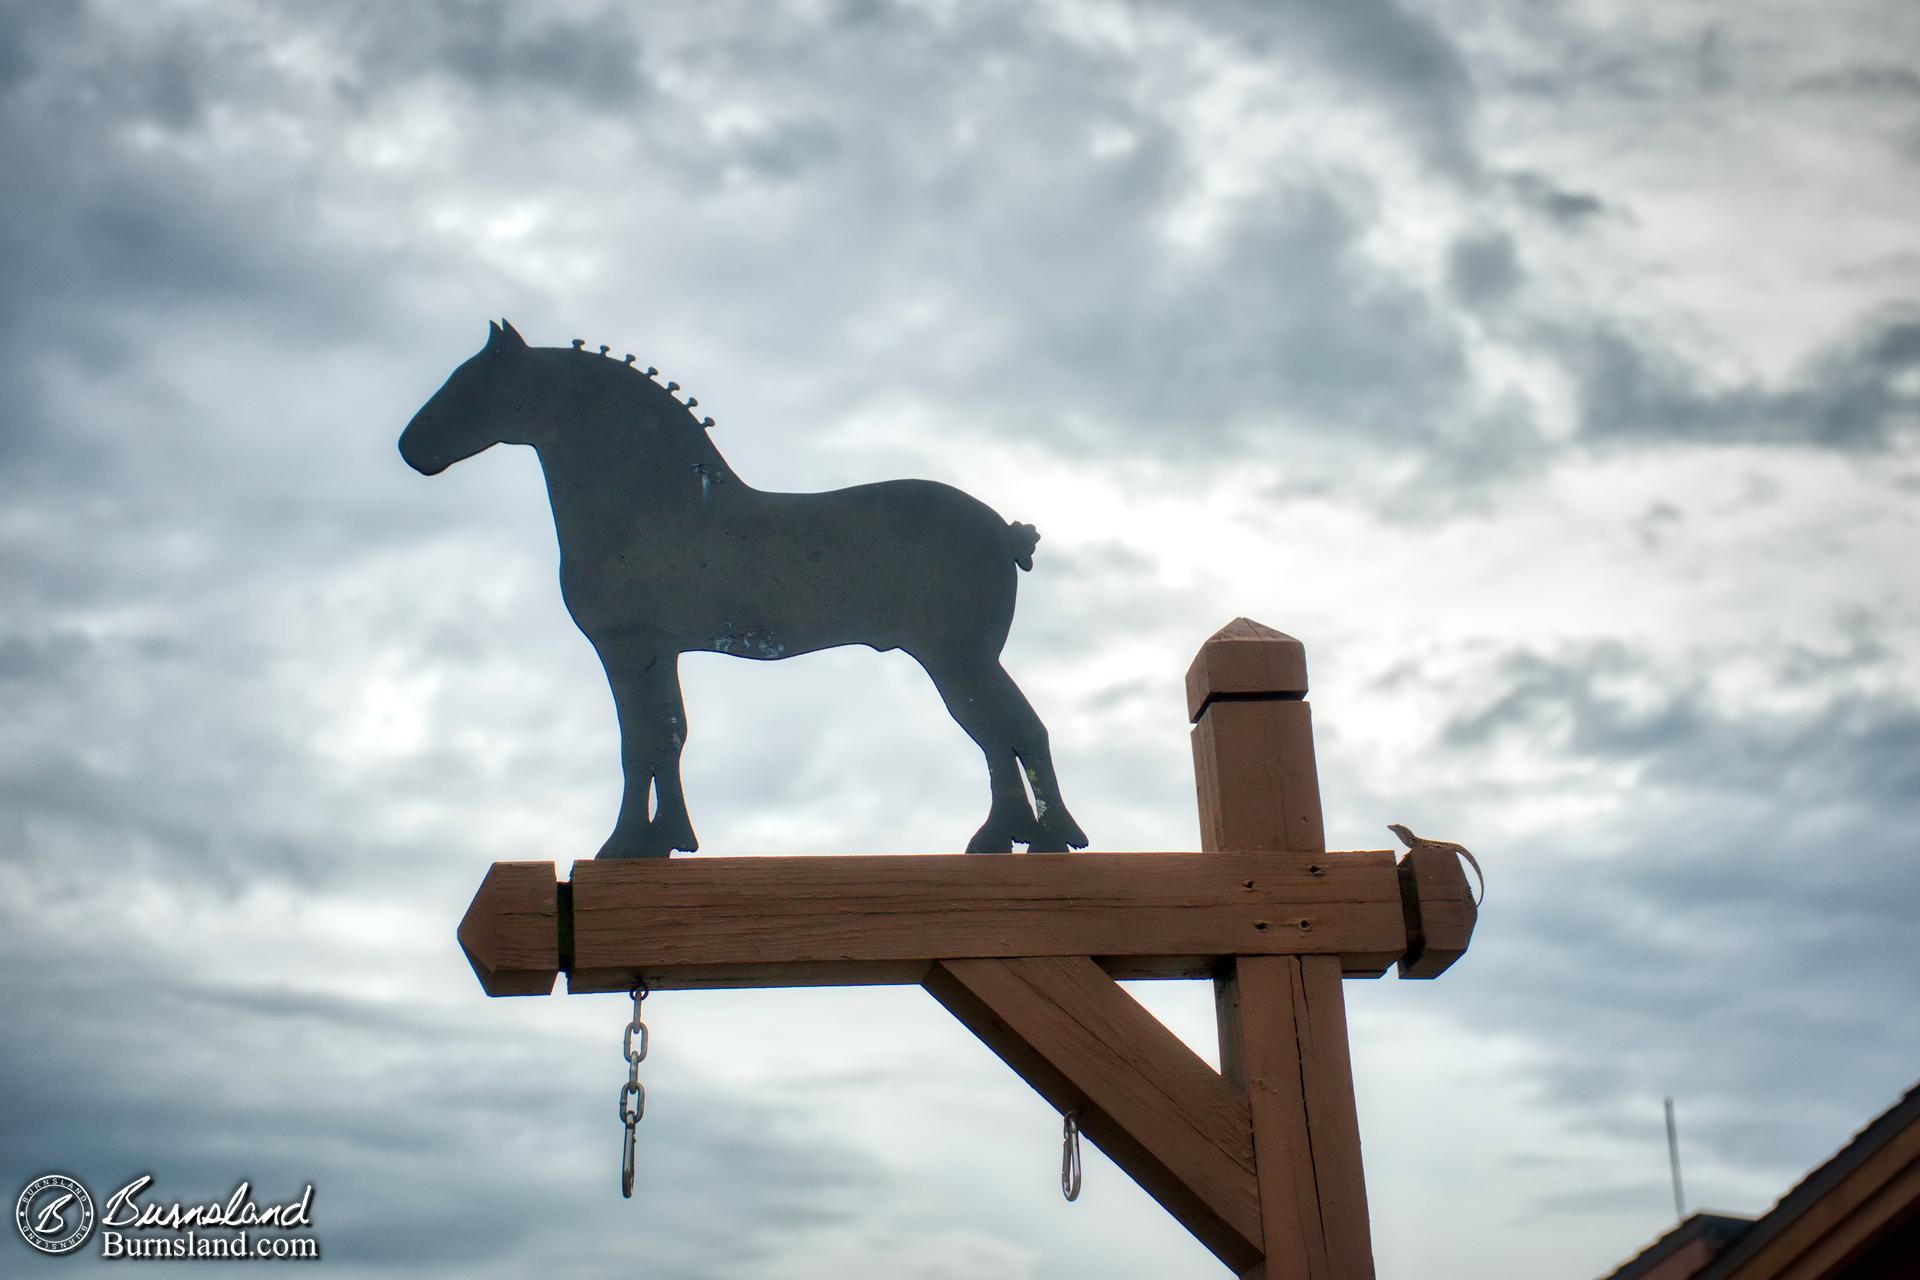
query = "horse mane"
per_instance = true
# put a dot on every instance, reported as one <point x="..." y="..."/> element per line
<point x="647" y="376"/>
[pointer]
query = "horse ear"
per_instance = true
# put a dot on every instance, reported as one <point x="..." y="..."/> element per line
<point x="510" y="335"/>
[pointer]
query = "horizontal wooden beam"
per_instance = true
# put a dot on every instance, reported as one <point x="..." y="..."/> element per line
<point x="684" y="923"/>
<point x="788" y="921"/>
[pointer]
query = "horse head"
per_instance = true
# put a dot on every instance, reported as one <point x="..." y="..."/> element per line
<point x="485" y="402"/>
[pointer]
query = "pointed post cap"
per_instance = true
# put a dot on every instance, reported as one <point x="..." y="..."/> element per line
<point x="511" y="933"/>
<point x="1245" y="660"/>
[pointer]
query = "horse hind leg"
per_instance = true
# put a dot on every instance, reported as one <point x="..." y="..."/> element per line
<point x="979" y="705"/>
<point x="1058" y="832"/>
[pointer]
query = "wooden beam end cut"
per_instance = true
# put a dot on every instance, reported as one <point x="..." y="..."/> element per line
<point x="1439" y="910"/>
<point x="511" y="932"/>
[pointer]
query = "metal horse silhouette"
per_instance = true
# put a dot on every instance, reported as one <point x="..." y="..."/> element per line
<point x="665" y="551"/>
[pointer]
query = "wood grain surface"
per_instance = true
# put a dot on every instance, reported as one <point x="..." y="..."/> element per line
<point x="793" y="921"/>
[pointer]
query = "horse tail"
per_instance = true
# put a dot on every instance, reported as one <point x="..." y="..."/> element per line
<point x="1021" y="540"/>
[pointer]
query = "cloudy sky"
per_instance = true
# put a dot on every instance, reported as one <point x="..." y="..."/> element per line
<point x="1551" y="369"/>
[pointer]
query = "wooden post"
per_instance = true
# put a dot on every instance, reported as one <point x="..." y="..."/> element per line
<point x="1282" y="1019"/>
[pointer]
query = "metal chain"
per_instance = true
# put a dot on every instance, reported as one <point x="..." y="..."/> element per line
<point x="633" y="1095"/>
<point x="1070" y="1155"/>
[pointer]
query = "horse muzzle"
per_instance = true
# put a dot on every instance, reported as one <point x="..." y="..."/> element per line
<point x="417" y="457"/>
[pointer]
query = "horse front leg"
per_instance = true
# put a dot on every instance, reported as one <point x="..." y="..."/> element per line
<point x="653" y="819"/>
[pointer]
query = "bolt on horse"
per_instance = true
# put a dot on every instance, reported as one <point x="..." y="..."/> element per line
<point x="665" y="551"/>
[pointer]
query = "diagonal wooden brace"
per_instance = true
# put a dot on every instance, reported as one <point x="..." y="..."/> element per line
<point x="1146" y="1099"/>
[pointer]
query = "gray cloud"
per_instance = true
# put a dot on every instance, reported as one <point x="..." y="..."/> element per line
<point x="1566" y="208"/>
<point x="495" y="50"/>
<point x="1873" y="80"/>
<point x="1162" y="349"/>
<point x="1483" y="269"/>
<point x="1712" y="67"/>
<point x="1853" y="743"/>
<point x="1733" y="844"/>
<point x="1865" y="648"/>
<point x="1401" y="60"/>
<point x="1283" y="311"/>
<point x="429" y="1138"/>
<point x="1656" y="521"/>
<point x="1854" y="395"/>
<point x="1571" y="60"/>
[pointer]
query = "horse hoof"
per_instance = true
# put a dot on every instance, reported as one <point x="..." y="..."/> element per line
<point x="1062" y="832"/>
<point x="986" y="840"/>
<point x="677" y="835"/>
<point x="654" y="840"/>
<point x="610" y="850"/>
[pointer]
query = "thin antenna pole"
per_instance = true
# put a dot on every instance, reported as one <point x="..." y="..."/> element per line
<point x="1673" y="1159"/>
